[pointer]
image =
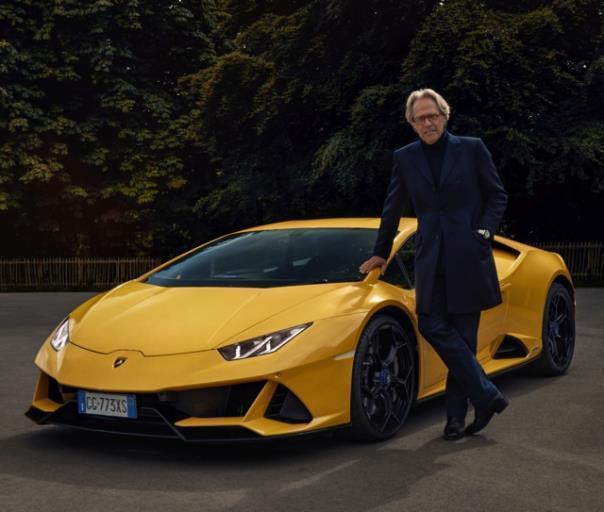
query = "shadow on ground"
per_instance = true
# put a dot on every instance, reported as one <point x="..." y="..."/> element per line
<point x="288" y="473"/>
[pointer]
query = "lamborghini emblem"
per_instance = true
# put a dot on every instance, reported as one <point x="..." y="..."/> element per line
<point x="119" y="362"/>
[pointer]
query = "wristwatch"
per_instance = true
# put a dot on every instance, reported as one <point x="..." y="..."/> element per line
<point x="486" y="234"/>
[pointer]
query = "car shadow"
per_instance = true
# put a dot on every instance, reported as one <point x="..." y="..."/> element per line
<point x="284" y="474"/>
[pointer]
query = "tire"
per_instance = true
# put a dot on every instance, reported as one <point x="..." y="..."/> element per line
<point x="558" y="333"/>
<point x="383" y="380"/>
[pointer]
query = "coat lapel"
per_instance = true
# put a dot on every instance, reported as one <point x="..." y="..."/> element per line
<point x="421" y="162"/>
<point x="451" y="154"/>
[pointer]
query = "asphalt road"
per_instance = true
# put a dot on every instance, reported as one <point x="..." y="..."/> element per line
<point x="545" y="453"/>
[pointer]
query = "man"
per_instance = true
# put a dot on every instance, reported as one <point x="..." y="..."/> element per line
<point x="459" y="200"/>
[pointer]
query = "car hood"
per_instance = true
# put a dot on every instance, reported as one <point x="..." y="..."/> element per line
<point x="160" y="321"/>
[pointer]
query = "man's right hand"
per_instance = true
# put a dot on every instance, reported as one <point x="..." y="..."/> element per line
<point x="371" y="263"/>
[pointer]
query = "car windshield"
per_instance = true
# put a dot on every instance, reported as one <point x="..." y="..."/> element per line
<point x="274" y="257"/>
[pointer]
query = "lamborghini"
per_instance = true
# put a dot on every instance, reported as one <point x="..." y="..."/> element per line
<point x="272" y="331"/>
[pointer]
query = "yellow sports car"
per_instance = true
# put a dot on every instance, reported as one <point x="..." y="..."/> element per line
<point x="272" y="331"/>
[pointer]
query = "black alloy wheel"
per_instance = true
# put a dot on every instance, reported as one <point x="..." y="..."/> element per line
<point x="558" y="332"/>
<point x="383" y="380"/>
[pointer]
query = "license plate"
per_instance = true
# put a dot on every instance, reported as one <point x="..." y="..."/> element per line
<point x="120" y="406"/>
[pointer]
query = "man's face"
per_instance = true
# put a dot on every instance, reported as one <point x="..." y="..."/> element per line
<point x="427" y="121"/>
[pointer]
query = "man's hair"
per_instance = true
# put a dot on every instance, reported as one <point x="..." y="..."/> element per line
<point x="442" y="105"/>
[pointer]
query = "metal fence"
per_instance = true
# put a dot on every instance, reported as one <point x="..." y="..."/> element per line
<point x="70" y="273"/>
<point x="585" y="261"/>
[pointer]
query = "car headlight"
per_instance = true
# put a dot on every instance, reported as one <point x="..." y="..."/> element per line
<point x="60" y="337"/>
<point x="262" y="345"/>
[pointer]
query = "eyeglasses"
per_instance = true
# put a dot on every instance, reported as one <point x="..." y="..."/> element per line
<point x="428" y="117"/>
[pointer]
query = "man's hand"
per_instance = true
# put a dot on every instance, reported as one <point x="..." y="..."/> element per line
<point x="371" y="263"/>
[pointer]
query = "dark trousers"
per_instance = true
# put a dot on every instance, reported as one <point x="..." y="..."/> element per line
<point x="454" y="339"/>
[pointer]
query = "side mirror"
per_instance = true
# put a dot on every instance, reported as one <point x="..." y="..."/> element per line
<point x="373" y="276"/>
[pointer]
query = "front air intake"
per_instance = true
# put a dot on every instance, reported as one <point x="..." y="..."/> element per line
<point x="54" y="392"/>
<point x="287" y="407"/>
<point x="223" y="401"/>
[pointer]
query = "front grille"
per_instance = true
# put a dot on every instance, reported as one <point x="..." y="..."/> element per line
<point x="222" y="401"/>
<point x="214" y="402"/>
<point x="158" y="412"/>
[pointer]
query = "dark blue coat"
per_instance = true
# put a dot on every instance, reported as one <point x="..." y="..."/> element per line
<point x="470" y="196"/>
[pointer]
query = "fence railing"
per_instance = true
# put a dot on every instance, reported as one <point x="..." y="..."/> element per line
<point x="585" y="261"/>
<point x="71" y="273"/>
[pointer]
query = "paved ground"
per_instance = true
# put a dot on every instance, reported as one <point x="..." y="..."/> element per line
<point x="545" y="453"/>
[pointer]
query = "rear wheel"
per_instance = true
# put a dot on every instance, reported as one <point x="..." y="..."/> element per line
<point x="558" y="332"/>
<point x="383" y="380"/>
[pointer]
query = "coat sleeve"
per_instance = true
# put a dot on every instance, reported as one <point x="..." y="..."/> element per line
<point x="494" y="196"/>
<point x="397" y="200"/>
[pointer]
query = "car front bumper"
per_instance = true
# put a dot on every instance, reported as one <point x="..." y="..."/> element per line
<point x="200" y="396"/>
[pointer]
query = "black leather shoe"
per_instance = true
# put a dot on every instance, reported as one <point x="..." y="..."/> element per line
<point x="453" y="429"/>
<point x="483" y="416"/>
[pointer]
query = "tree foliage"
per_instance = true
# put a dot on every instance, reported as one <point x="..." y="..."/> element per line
<point x="526" y="81"/>
<point x="283" y="108"/>
<point x="92" y="120"/>
<point x="140" y="126"/>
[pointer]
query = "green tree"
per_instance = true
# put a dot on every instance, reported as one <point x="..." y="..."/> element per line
<point x="93" y="126"/>
<point x="526" y="78"/>
<point x="300" y="109"/>
<point x="137" y="127"/>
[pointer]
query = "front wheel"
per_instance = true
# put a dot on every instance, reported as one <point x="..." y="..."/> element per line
<point x="558" y="332"/>
<point x="383" y="380"/>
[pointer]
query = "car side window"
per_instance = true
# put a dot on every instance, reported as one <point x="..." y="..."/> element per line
<point x="401" y="270"/>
